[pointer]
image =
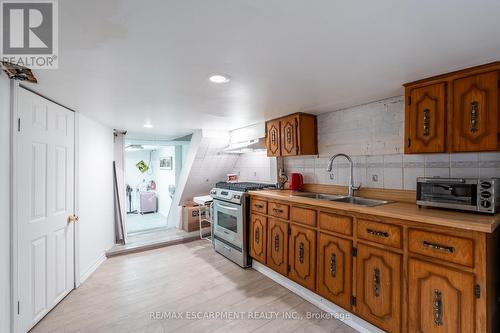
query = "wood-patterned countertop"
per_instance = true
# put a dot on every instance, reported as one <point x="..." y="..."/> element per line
<point x="397" y="210"/>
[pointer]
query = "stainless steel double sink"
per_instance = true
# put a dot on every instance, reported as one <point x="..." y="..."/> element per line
<point x="339" y="198"/>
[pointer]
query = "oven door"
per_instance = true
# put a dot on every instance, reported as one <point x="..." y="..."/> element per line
<point x="228" y="222"/>
<point x="448" y="193"/>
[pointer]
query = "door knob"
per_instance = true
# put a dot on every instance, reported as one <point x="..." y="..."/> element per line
<point x="73" y="219"/>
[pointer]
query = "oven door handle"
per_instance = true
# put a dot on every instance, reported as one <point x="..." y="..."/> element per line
<point x="443" y="181"/>
<point x="226" y="207"/>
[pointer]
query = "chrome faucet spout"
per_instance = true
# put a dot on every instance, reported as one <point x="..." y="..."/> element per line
<point x="352" y="188"/>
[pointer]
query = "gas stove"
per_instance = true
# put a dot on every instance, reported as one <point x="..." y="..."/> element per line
<point x="236" y="192"/>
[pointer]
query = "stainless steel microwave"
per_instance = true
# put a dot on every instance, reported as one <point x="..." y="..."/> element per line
<point x="469" y="194"/>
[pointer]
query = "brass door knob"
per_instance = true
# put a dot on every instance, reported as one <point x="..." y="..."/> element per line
<point x="73" y="219"/>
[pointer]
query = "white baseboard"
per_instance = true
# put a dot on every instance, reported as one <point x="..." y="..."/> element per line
<point x="322" y="303"/>
<point x="92" y="268"/>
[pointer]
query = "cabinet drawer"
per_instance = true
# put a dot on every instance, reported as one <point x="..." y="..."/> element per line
<point x="336" y="223"/>
<point x="379" y="233"/>
<point x="453" y="249"/>
<point x="303" y="215"/>
<point x="259" y="206"/>
<point x="278" y="210"/>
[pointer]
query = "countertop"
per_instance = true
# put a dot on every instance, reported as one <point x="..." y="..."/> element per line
<point x="398" y="210"/>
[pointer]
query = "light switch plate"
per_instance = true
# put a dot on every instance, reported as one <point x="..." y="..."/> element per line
<point x="375" y="178"/>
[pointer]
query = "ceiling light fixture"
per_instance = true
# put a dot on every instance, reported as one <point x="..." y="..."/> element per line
<point x="218" y="78"/>
<point x="148" y="126"/>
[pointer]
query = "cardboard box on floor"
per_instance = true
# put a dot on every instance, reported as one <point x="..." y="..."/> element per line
<point x="190" y="221"/>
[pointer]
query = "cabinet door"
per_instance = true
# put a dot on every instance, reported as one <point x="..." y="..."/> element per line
<point x="334" y="269"/>
<point x="439" y="299"/>
<point x="426" y="119"/>
<point x="378" y="287"/>
<point x="289" y="137"/>
<point x="302" y="256"/>
<point x="273" y="137"/>
<point x="258" y="236"/>
<point x="277" y="246"/>
<point x="475" y="113"/>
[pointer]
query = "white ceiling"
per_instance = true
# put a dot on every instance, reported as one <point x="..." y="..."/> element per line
<point x="127" y="62"/>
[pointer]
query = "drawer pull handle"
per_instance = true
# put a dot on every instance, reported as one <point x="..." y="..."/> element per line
<point x="257" y="236"/>
<point x="276" y="243"/>
<point x="333" y="265"/>
<point x="258" y="206"/>
<point x="301" y="252"/>
<point x="277" y="210"/>
<point x="376" y="282"/>
<point x="438" y="308"/>
<point x="434" y="246"/>
<point x="377" y="233"/>
<point x="474" y="115"/>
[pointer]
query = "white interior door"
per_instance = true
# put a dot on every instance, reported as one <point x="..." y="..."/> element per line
<point x="45" y="192"/>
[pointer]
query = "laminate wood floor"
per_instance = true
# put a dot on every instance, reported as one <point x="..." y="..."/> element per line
<point x="137" y="292"/>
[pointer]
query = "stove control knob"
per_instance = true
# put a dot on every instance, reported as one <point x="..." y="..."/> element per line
<point x="485" y="204"/>
<point x="237" y="196"/>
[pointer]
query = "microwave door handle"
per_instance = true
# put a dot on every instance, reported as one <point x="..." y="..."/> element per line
<point x="226" y="207"/>
<point x="444" y="181"/>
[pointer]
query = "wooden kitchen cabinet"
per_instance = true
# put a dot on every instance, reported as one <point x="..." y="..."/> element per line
<point x="258" y="237"/>
<point x="441" y="299"/>
<point x="475" y="113"/>
<point x="277" y="246"/>
<point x="302" y="256"/>
<point x="378" y="289"/>
<point x="426" y="119"/>
<point x="454" y="112"/>
<point x="335" y="269"/>
<point x="292" y="135"/>
<point x="273" y="138"/>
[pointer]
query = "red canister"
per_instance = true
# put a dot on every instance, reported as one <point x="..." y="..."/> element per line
<point x="296" y="182"/>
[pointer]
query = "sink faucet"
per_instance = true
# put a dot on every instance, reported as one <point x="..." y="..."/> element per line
<point x="352" y="188"/>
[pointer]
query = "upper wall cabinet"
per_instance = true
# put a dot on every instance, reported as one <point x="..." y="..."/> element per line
<point x="292" y="135"/>
<point x="455" y="112"/>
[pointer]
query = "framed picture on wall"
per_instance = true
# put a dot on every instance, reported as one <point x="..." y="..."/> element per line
<point x="166" y="163"/>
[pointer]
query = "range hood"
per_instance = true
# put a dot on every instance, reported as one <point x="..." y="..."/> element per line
<point x="247" y="146"/>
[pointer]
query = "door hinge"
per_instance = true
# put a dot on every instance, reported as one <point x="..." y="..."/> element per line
<point x="409" y="142"/>
<point x="354" y="252"/>
<point x="18" y="308"/>
<point x="353" y="300"/>
<point x="19" y="124"/>
<point x="498" y="83"/>
<point x="477" y="291"/>
<point x="289" y="231"/>
<point x="498" y="136"/>
<point x="409" y="100"/>
<point x="288" y="268"/>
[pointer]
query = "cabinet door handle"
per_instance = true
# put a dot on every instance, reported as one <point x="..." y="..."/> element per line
<point x="377" y="233"/>
<point x="427" y="122"/>
<point x="474" y="115"/>
<point x="277" y="210"/>
<point x="333" y="265"/>
<point x="301" y="252"/>
<point x="276" y="243"/>
<point x="376" y="282"/>
<point x="289" y="135"/>
<point x="258" y="206"/>
<point x="438" y="308"/>
<point x="439" y="247"/>
<point x="257" y="236"/>
<point x="273" y="137"/>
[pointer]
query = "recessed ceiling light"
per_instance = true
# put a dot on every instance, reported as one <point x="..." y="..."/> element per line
<point x="148" y="126"/>
<point x="217" y="78"/>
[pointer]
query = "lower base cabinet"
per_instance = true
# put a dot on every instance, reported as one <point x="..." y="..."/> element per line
<point x="443" y="299"/>
<point x="335" y="269"/>
<point x="302" y="256"/>
<point x="378" y="287"/>
<point x="277" y="245"/>
<point x="258" y="237"/>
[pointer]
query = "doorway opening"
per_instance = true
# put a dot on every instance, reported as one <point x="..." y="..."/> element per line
<point x="151" y="174"/>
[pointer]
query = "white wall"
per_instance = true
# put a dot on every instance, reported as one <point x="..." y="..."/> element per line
<point x="373" y="134"/>
<point x="96" y="208"/>
<point x="164" y="178"/>
<point x="4" y="204"/>
<point x="255" y="167"/>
